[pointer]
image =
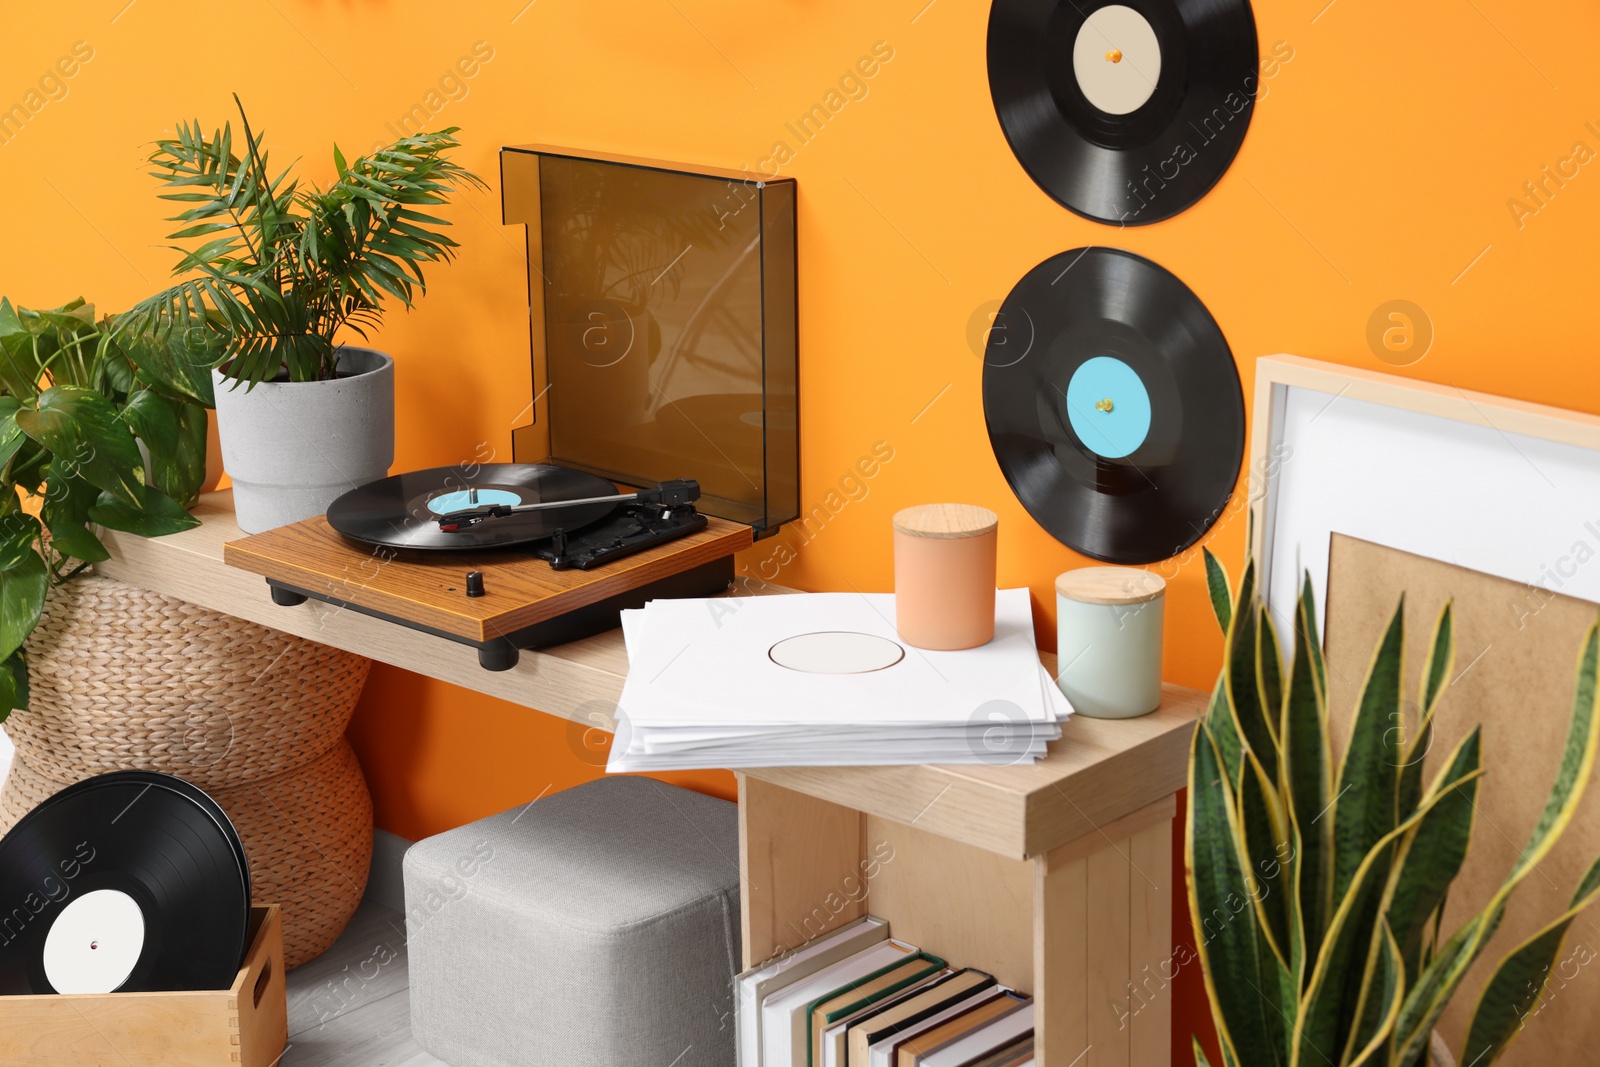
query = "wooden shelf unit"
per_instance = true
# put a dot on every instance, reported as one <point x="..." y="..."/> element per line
<point x="1056" y="877"/>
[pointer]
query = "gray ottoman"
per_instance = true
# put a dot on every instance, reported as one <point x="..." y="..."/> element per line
<point x="598" y="927"/>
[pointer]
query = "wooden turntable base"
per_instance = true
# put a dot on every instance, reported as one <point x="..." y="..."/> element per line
<point x="525" y="603"/>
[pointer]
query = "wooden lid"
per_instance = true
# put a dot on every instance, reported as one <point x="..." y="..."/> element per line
<point x="946" y="520"/>
<point x="1110" y="585"/>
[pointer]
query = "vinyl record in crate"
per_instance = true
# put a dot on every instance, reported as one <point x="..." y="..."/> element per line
<point x="127" y="882"/>
<point x="403" y="511"/>
<point x="1125" y="112"/>
<point x="1121" y="429"/>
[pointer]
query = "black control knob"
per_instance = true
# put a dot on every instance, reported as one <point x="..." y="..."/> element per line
<point x="474" y="583"/>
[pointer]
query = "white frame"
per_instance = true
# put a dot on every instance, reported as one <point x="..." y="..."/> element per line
<point x="1533" y="473"/>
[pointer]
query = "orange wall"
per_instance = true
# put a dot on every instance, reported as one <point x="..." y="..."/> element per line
<point x="1380" y="165"/>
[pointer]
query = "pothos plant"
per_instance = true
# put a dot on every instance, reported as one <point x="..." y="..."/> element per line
<point x="1317" y="885"/>
<point x="83" y="416"/>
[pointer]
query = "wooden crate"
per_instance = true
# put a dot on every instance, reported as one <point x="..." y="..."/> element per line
<point x="246" y="1023"/>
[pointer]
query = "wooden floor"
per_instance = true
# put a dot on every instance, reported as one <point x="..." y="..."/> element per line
<point x="351" y="1007"/>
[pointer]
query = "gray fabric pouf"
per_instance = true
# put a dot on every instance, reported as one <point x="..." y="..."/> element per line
<point x="598" y="927"/>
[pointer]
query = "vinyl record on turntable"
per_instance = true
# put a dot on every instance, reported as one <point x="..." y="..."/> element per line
<point x="126" y="882"/>
<point x="1125" y="112"/>
<point x="1121" y="430"/>
<point x="403" y="511"/>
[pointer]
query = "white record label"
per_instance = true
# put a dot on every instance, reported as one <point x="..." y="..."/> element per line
<point x="94" y="943"/>
<point x="836" y="652"/>
<point x="1117" y="59"/>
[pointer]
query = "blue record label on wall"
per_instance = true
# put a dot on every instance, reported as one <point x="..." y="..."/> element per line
<point x="1108" y="407"/>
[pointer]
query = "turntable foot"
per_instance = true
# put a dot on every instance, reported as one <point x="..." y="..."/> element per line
<point x="286" y="598"/>
<point x="500" y="656"/>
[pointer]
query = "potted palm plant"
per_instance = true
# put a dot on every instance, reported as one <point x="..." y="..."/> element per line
<point x="90" y="433"/>
<point x="1317" y="886"/>
<point x="275" y="272"/>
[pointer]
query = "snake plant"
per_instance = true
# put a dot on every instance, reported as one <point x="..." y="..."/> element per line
<point x="1317" y="885"/>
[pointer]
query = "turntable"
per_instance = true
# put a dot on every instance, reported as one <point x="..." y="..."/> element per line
<point x="662" y="302"/>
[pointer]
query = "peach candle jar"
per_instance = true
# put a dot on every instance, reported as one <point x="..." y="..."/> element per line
<point x="944" y="575"/>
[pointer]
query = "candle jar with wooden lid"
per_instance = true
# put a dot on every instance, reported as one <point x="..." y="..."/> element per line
<point x="1108" y="636"/>
<point x="944" y="574"/>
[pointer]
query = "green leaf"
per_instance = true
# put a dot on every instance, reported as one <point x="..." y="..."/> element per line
<point x="1433" y="854"/>
<point x="20" y="368"/>
<point x="1269" y="672"/>
<point x="1519" y="980"/>
<point x="1332" y="996"/>
<point x="179" y="361"/>
<point x="1368" y="781"/>
<point x="22" y="591"/>
<point x="1426" y="1001"/>
<point x="154" y="420"/>
<point x="1199" y="1053"/>
<point x="1220" y="907"/>
<point x="156" y="516"/>
<point x="173" y="431"/>
<point x="1577" y="761"/>
<point x="1308" y="602"/>
<point x="1244" y="694"/>
<point x="1219" y="720"/>
<point x="66" y="512"/>
<point x="81" y="428"/>
<point x="11" y="435"/>
<point x="18" y="532"/>
<point x="13" y="685"/>
<point x="188" y="468"/>
<point x="1262" y="830"/>
<point x="1383" y="997"/>
<point x="1441" y="660"/>
<point x="1307" y="778"/>
<point x="1217" y="586"/>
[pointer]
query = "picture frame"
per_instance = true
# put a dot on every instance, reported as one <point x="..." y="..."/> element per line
<point x="1503" y="486"/>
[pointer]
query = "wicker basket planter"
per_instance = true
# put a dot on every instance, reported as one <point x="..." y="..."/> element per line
<point x="125" y="679"/>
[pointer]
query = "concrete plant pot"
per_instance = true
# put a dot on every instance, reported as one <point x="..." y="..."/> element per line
<point x="292" y="448"/>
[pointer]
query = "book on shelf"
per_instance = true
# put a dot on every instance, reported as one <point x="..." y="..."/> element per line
<point x="835" y="1047"/>
<point x="756" y="984"/>
<point x="1017" y="1054"/>
<point x="785" y="1014"/>
<point x="866" y="996"/>
<point x="906" y="1046"/>
<point x="882" y="1026"/>
<point x="985" y="1041"/>
<point x="858" y="997"/>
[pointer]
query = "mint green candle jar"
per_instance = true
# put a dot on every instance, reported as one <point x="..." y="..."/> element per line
<point x="1108" y="639"/>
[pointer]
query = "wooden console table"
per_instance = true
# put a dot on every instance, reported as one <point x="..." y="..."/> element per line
<point x="1056" y="877"/>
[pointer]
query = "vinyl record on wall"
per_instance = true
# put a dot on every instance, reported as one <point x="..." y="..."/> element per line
<point x="1125" y="112"/>
<point x="1121" y="426"/>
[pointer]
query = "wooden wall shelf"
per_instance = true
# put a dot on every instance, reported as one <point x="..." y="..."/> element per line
<point x="189" y="566"/>
<point x="1056" y="876"/>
